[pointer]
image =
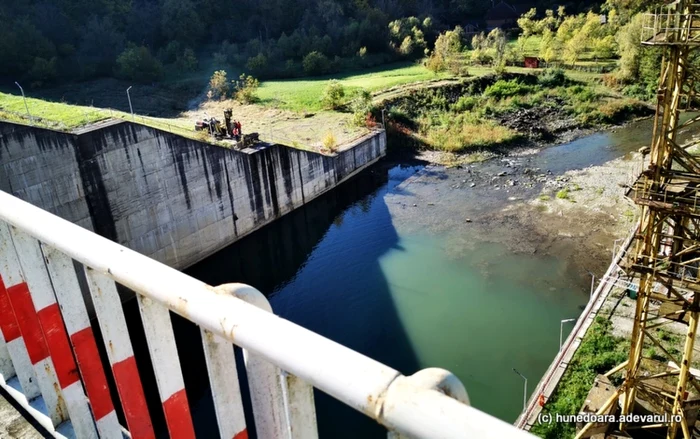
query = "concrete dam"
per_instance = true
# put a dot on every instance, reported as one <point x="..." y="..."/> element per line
<point x="174" y="199"/>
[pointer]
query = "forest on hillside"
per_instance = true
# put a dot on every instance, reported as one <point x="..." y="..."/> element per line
<point x="45" y="42"/>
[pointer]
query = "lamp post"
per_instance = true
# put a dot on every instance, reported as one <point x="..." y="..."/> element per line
<point x="592" y="283"/>
<point x="561" y="331"/>
<point x="130" y="107"/>
<point x="524" y="389"/>
<point x="383" y="123"/>
<point x="26" y="107"/>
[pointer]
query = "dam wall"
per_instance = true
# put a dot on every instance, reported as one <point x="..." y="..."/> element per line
<point x="169" y="197"/>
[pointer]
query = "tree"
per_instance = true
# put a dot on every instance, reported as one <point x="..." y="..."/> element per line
<point x="527" y="23"/>
<point x="187" y="61"/>
<point x="42" y="71"/>
<point x="447" y="47"/>
<point x="257" y="64"/>
<point x="316" y="63"/>
<point x="137" y="63"/>
<point x="180" y="21"/>
<point x="100" y="45"/>
<point x="246" y="88"/>
<point x="218" y="85"/>
<point x="496" y="41"/>
<point x="628" y="38"/>
<point x="333" y="95"/>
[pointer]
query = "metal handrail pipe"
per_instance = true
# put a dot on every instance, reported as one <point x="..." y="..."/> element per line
<point x="352" y="378"/>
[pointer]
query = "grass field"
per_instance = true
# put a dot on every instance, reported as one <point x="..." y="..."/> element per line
<point x="305" y="94"/>
<point x="57" y="115"/>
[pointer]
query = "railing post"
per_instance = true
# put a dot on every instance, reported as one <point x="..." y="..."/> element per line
<point x="279" y="412"/>
<point x="17" y="293"/>
<point x="115" y="337"/>
<point x="166" y="366"/>
<point x="51" y="323"/>
<point x="75" y="316"/>
<point x="225" y="388"/>
<point x="16" y="347"/>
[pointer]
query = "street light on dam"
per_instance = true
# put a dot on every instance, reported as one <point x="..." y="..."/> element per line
<point x="524" y="389"/>
<point x="128" y="95"/>
<point x="561" y="331"/>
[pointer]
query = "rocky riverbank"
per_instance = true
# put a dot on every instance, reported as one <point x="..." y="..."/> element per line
<point x="565" y="202"/>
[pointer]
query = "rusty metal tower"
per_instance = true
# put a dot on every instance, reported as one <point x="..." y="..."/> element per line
<point x="666" y="250"/>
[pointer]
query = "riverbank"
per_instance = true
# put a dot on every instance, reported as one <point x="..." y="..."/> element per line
<point x="493" y="114"/>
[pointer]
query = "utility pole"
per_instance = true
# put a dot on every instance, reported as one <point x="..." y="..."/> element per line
<point x="130" y="107"/>
<point x="31" y="119"/>
<point x="561" y="331"/>
<point x="524" y="389"/>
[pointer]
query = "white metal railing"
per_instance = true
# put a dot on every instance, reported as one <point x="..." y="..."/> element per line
<point x="45" y="324"/>
<point x="670" y="27"/>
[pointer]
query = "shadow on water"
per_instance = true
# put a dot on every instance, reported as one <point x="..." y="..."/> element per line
<point x="278" y="258"/>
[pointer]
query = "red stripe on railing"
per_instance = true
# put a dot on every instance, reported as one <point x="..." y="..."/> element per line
<point x="177" y="415"/>
<point x="8" y="322"/>
<point x="28" y="322"/>
<point x="242" y="435"/>
<point x="94" y="377"/>
<point x="57" y="340"/>
<point x="133" y="400"/>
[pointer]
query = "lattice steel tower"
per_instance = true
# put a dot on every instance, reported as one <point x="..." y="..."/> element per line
<point x="666" y="252"/>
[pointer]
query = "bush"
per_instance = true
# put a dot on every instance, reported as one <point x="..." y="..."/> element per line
<point x="316" y="63"/>
<point x="329" y="142"/>
<point x="361" y="107"/>
<point x="333" y="95"/>
<point x="465" y="103"/>
<point x="501" y="89"/>
<point x="246" y="88"/>
<point x="137" y="63"/>
<point x="218" y="85"/>
<point x="552" y="78"/>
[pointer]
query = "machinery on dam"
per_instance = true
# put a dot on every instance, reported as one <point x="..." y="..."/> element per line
<point x="229" y="129"/>
<point x="665" y="253"/>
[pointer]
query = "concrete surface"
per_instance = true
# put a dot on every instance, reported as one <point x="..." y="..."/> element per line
<point x="171" y="198"/>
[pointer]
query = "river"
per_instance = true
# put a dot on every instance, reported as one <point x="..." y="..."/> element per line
<point x="387" y="265"/>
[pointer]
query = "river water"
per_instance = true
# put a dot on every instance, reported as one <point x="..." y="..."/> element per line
<point x="386" y="265"/>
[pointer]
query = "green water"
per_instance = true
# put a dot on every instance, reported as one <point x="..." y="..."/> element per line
<point x="387" y="266"/>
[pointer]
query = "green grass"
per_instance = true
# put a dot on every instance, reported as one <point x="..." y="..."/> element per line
<point x="598" y="353"/>
<point x="56" y="115"/>
<point x="305" y="94"/>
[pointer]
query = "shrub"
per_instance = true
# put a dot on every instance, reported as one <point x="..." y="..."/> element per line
<point x="563" y="194"/>
<point x="333" y="95"/>
<point x="137" y="63"/>
<point x="465" y="103"/>
<point x="329" y="142"/>
<point x="552" y="78"/>
<point x="462" y="133"/>
<point x="218" y="85"/>
<point x="316" y="63"/>
<point x="246" y="88"/>
<point x="361" y="107"/>
<point x="501" y="89"/>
